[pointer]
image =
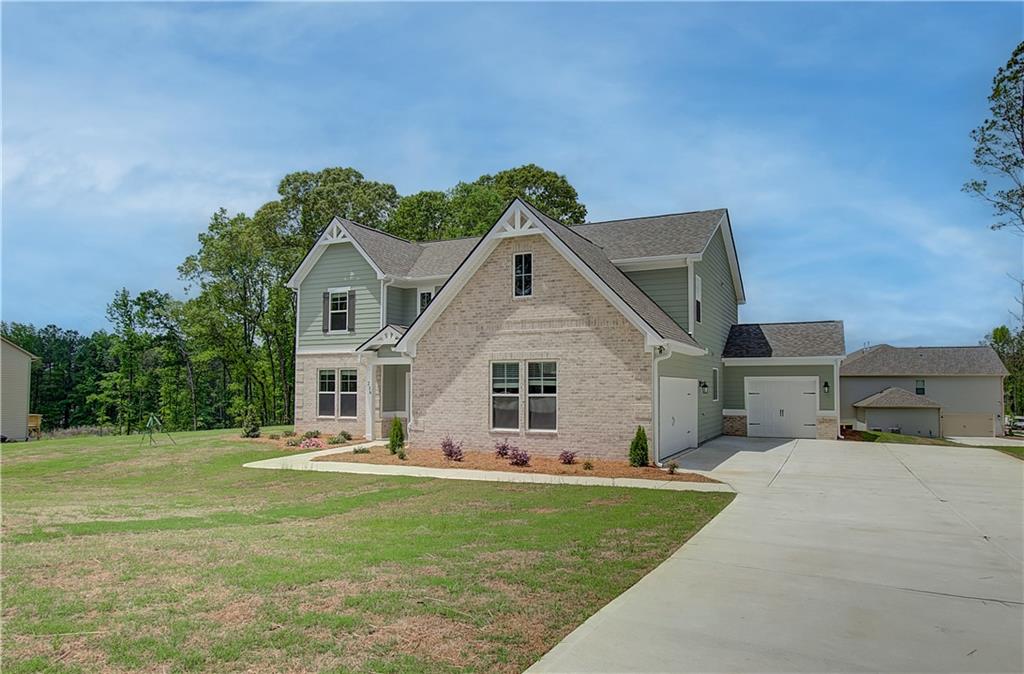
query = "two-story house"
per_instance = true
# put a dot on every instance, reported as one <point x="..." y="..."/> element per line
<point x="555" y="337"/>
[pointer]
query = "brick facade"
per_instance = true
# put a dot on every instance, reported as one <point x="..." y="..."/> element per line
<point x="734" y="425"/>
<point x="306" y="385"/>
<point x="604" y="373"/>
<point x="828" y="428"/>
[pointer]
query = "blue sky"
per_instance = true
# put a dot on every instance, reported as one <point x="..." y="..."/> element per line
<point x="835" y="134"/>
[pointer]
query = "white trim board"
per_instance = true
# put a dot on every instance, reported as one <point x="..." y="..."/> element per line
<point x="790" y="360"/>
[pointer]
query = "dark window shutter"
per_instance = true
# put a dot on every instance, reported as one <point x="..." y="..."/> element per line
<point x="326" y="324"/>
<point x="351" y="310"/>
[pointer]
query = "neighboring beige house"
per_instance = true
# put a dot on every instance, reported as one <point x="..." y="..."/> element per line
<point x="555" y="337"/>
<point x="15" y="383"/>
<point x="927" y="391"/>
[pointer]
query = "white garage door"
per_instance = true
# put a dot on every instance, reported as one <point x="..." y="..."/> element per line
<point x="677" y="415"/>
<point x="782" y="407"/>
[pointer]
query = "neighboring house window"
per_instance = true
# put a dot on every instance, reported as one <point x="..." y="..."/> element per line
<point x="325" y="397"/>
<point x="522" y="275"/>
<point x="426" y="296"/>
<point x="347" y="395"/>
<point x="714" y="383"/>
<point x="919" y="387"/>
<point x="542" y="394"/>
<point x="339" y="312"/>
<point x="698" y="298"/>
<point x="505" y="396"/>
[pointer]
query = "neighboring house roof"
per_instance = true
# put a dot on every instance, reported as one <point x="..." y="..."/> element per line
<point x="24" y="351"/>
<point x="521" y="218"/>
<point x="896" y="397"/>
<point x="660" y="236"/>
<point x="884" y="360"/>
<point x="785" y="340"/>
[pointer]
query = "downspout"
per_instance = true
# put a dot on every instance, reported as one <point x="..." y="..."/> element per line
<point x="659" y="354"/>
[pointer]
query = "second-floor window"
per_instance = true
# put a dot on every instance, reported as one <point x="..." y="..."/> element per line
<point x="522" y="275"/>
<point x="698" y="298"/>
<point x="426" y="296"/>
<point x="919" y="387"/>
<point x="339" y="312"/>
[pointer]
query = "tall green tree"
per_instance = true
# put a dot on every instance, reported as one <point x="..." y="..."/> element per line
<point x="999" y="147"/>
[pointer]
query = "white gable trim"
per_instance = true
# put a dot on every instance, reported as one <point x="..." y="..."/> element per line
<point x="517" y="220"/>
<point x="335" y="233"/>
<point x="386" y="336"/>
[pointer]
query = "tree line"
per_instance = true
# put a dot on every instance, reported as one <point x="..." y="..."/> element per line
<point x="229" y="346"/>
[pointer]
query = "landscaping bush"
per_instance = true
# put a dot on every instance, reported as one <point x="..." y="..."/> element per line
<point x="567" y="457"/>
<point x="338" y="439"/>
<point x="588" y="465"/>
<point x="311" y="434"/>
<point x="518" y="457"/>
<point x="274" y="436"/>
<point x="312" y="443"/>
<point x="292" y="442"/>
<point x="401" y="454"/>
<point x="396" y="439"/>
<point x="502" y="448"/>
<point x="452" y="450"/>
<point x="672" y="467"/>
<point x="638" y="448"/>
<point x="249" y="420"/>
<point x="288" y="434"/>
<point x="361" y="450"/>
<point x="344" y="435"/>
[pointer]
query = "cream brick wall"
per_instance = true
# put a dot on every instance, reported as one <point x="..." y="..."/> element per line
<point x="604" y="374"/>
<point x="828" y="428"/>
<point x="306" y="384"/>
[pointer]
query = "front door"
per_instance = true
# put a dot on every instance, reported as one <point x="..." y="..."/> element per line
<point x="677" y="415"/>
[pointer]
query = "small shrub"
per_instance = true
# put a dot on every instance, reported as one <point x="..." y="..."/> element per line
<point x="588" y="465"/>
<point x="344" y="435"/>
<point x="292" y="442"/>
<point x="638" y="448"/>
<point x="452" y="450"/>
<point x="401" y="454"/>
<point x="336" y="440"/>
<point x="567" y="457"/>
<point x="502" y="448"/>
<point x="396" y="439"/>
<point x="288" y="434"/>
<point x="312" y="443"/>
<point x="518" y="457"/>
<point x="361" y="450"/>
<point x="274" y="436"/>
<point x="249" y="420"/>
<point x="673" y="467"/>
<point x="311" y="434"/>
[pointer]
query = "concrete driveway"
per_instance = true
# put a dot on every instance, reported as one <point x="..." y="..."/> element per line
<point x="835" y="556"/>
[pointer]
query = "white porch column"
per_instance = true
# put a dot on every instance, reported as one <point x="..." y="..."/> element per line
<point x="369" y="378"/>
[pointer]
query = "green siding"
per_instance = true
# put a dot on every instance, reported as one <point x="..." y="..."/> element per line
<point x="401" y="305"/>
<point x="667" y="287"/>
<point x="341" y="265"/>
<point x="734" y="374"/>
<point x="718" y="308"/>
<point x="709" y="412"/>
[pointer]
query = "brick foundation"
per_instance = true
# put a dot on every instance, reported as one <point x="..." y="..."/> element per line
<point x="734" y="425"/>
<point x="828" y="428"/>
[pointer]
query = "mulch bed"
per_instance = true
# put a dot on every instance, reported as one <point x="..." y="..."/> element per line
<point x="433" y="458"/>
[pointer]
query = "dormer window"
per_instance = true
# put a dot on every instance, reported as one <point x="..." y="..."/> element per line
<point x="425" y="298"/>
<point x="522" y="275"/>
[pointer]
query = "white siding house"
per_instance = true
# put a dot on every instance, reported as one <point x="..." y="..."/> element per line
<point x="15" y="378"/>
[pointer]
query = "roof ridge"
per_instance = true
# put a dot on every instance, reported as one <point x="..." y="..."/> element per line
<point x="379" y="231"/>
<point x="828" y="320"/>
<point x="646" y="217"/>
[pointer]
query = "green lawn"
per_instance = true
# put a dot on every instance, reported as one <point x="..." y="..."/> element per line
<point x="875" y="436"/>
<point x="118" y="557"/>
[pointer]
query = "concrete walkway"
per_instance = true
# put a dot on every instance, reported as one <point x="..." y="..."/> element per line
<point x="305" y="462"/>
<point x="989" y="441"/>
<point x="835" y="556"/>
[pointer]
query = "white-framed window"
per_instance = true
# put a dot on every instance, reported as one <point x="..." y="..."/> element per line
<point x="326" y="391"/>
<point x="714" y="384"/>
<point x="522" y="275"/>
<point x="919" y="387"/>
<point x="347" y="394"/>
<point x="542" y="396"/>
<point x="505" y="396"/>
<point x="698" y="298"/>
<point x="338" y="321"/>
<point x="424" y="297"/>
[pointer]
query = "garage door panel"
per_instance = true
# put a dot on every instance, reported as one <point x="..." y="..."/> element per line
<point x="968" y="424"/>
<point x="782" y="407"/>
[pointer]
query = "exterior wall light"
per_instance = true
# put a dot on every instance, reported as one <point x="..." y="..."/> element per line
<point x="703" y="386"/>
<point x="825" y="387"/>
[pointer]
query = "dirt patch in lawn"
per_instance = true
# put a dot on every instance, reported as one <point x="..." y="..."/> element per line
<point x="433" y="458"/>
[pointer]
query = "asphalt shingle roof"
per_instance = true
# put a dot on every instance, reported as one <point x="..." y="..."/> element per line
<point x="886" y="360"/>
<point x="785" y="340"/>
<point x="896" y="397"/>
<point x="674" y="234"/>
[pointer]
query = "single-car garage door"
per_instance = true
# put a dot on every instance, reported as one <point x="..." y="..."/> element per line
<point x="968" y="424"/>
<point x="782" y="407"/>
